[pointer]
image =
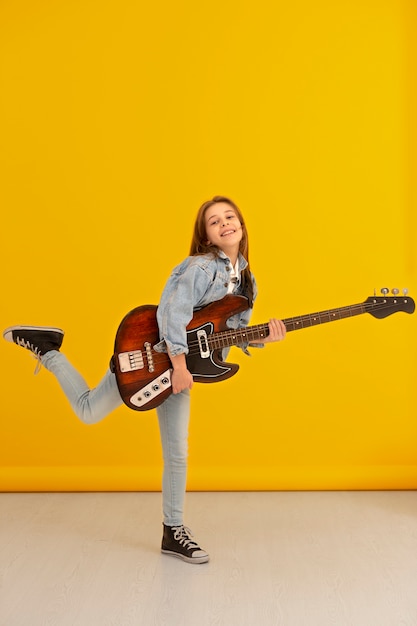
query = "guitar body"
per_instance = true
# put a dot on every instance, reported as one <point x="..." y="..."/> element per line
<point x="144" y="376"/>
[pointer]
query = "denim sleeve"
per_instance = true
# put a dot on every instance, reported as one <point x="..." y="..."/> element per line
<point x="183" y="291"/>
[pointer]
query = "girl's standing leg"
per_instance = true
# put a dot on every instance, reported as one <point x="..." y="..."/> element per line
<point x="90" y="405"/>
<point x="174" y="416"/>
<point x="177" y="540"/>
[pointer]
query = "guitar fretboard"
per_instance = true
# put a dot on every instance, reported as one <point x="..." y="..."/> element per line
<point x="232" y="337"/>
<point x="322" y="317"/>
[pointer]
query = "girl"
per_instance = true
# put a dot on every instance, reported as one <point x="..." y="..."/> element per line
<point x="218" y="264"/>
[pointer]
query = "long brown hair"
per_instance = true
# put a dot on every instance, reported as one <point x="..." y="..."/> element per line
<point x="200" y="245"/>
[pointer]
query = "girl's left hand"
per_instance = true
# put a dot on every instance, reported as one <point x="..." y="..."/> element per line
<point x="277" y="331"/>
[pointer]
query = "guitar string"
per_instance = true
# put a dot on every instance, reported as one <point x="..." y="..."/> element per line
<point x="253" y="332"/>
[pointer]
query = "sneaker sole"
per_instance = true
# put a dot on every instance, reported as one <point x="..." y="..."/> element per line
<point x="12" y="329"/>
<point x="188" y="559"/>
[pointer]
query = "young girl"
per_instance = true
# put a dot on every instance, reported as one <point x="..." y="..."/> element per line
<point x="218" y="264"/>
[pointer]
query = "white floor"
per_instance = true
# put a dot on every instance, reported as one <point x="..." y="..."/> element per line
<point x="277" y="558"/>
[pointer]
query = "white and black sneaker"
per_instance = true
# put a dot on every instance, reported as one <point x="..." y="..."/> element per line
<point x="178" y="541"/>
<point x="38" y="339"/>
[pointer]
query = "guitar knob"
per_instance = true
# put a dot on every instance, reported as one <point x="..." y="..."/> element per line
<point x="385" y="290"/>
<point x="405" y="291"/>
<point x="395" y="291"/>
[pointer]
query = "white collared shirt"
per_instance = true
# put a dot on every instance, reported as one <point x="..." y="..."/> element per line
<point x="234" y="277"/>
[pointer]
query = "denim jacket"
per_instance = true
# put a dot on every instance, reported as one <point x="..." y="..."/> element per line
<point x="194" y="283"/>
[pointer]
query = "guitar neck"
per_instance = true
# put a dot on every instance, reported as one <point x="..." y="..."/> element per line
<point x="233" y="337"/>
<point x="322" y="317"/>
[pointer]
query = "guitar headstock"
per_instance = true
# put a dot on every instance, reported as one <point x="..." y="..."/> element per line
<point x="385" y="305"/>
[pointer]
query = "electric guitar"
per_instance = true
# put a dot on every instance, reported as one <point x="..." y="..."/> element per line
<point x="144" y="376"/>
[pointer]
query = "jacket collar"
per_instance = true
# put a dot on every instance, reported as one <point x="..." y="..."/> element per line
<point x="242" y="261"/>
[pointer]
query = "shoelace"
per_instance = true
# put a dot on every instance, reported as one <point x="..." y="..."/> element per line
<point x="35" y="352"/>
<point x="183" y="535"/>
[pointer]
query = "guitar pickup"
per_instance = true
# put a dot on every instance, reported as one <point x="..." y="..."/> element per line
<point x="203" y="344"/>
<point x="130" y="361"/>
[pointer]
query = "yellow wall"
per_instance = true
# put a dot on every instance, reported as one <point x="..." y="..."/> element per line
<point x="117" y="119"/>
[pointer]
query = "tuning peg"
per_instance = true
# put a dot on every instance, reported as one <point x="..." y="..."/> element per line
<point x="385" y="291"/>
<point x="395" y="291"/>
<point x="405" y="291"/>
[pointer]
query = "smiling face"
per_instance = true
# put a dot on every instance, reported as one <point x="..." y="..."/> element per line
<point x="206" y="239"/>
<point x="223" y="228"/>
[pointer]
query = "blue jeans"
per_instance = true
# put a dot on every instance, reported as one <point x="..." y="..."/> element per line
<point x="92" y="405"/>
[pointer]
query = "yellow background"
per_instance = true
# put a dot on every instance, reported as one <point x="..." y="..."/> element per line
<point x="117" y="120"/>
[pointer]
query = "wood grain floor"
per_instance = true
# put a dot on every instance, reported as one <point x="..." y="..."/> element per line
<point x="277" y="558"/>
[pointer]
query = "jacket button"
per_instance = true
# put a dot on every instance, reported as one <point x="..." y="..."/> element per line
<point x="226" y="284"/>
<point x="227" y="268"/>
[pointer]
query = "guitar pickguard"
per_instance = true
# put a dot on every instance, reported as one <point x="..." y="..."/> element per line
<point x="201" y="360"/>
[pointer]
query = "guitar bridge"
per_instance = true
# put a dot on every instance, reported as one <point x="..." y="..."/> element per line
<point x="130" y="361"/>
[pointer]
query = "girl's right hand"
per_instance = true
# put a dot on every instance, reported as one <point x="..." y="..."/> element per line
<point x="181" y="379"/>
